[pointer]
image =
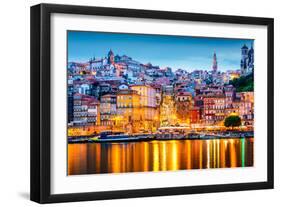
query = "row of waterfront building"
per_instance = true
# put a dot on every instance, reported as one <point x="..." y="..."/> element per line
<point x="145" y="108"/>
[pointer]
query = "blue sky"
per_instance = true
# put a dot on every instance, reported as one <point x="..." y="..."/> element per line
<point x="184" y="52"/>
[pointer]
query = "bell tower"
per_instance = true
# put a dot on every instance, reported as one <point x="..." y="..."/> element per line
<point x="215" y="62"/>
<point x="244" y="59"/>
<point x="110" y="57"/>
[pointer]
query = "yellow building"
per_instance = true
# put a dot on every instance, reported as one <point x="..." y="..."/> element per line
<point x="147" y="95"/>
<point x="128" y="110"/>
<point x="149" y="118"/>
<point x="168" y="115"/>
<point x="247" y="96"/>
<point x="246" y="107"/>
<point x="183" y="104"/>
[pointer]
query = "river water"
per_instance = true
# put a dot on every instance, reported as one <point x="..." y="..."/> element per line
<point x="91" y="158"/>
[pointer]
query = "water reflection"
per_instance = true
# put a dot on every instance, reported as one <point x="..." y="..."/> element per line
<point x="159" y="155"/>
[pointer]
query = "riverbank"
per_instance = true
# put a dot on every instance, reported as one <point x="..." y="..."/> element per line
<point x="151" y="137"/>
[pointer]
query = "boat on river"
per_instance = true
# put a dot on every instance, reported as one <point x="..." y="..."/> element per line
<point x="103" y="137"/>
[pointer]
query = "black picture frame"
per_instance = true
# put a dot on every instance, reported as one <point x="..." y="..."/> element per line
<point x="41" y="95"/>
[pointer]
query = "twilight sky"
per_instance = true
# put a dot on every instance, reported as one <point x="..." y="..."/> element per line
<point x="184" y="52"/>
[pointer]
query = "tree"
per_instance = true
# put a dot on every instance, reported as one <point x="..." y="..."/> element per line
<point x="232" y="121"/>
<point x="244" y="83"/>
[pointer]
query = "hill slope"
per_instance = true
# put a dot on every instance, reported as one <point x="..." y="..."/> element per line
<point x="244" y="83"/>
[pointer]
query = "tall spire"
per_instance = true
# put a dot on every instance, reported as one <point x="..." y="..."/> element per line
<point x="110" y="57"/>
<point x="215" y="63"/>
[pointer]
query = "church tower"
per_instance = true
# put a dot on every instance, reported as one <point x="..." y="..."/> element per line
<point x="215" y="62"/>
<point x="110" y="57"/>
<point x="251" y="59"/>
<point x="91" y="64"/>
<point x="244" y="59"/>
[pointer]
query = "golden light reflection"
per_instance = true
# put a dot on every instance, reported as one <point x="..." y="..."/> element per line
<point x="233" y="158"/>
<point x="218" y="152"/>
<point x="189" y="155"/>
<point x="174" y="155"/>
<point x="115" y="158"/>
<point x="145" y="157"/>
<point x="200" y="155"/>
<point x="163" y="156"/>
<point x="96" y="153"/>
<point x="158" y="156"/>
<point x="155" y="156"/>
<point x="214" y="152"/>
<point x="208" y="153"/>
<point x="77" y="163"/>
<point x="223" y="146"/>
<point x="123" y="155"/>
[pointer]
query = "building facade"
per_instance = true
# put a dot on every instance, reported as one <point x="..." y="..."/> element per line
<point x="108" y="109"/>
<point x="214" y="109"/>
<point x="128" y="110"/>
<point x="148" y="110"/>
<point x="85" y="110"/>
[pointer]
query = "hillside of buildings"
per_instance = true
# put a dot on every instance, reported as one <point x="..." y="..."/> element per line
<point x="243" y="83"/>
<point x="120" y="94"/>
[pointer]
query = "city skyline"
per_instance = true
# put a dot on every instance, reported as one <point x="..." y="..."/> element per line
<point x="189" y="53"/>
<point x="124" y="115"/>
